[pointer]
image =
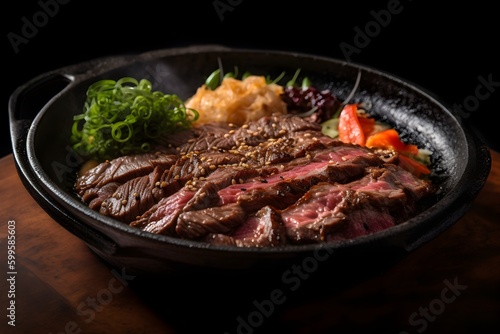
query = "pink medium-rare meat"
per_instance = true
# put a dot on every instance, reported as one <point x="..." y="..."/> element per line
<point x="384" y="197"/>
<point x="271" y="182"/>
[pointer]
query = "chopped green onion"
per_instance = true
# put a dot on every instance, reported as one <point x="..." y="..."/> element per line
<point x="126" y="116"/>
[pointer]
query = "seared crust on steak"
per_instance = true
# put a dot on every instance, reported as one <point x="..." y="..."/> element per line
<point x="269" y="183"/>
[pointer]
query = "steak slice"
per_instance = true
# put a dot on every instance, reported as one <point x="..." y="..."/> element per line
<point x="161" y="218"/>
<point x="384" y="197"/>
<point x="196" y="224"/>
<point x="96" y="196"/>
<point x="195" y="195"/>
<point x="284" y="188"/>
<point x="121" y="170"/>
<point x="264" y="229"/>
<point x="134" y="197"/>
<point x="251" y="134"/>
<point x="198" y="139"/>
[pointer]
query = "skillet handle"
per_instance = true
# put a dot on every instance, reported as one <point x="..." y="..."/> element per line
<point x="24" y="105"/>
<point x="26" y="102"/>
<point x="28" y="99"/>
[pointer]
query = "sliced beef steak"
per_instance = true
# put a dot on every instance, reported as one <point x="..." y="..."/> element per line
<point x="384" y="197"/>
<point x="271" y="182"/>
<point x="264" y="229"/>
<point x="120" y="170"/>
<point x="251" y="134"/>
<point x="195" y="195"/>
<point x="161" y="218"/>
<point x="277" y="187"/>
<point x="133" y="197"/>
<point x="195" y="224"/>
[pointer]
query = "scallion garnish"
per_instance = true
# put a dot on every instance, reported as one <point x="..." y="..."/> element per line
<point x="126" y="116"/>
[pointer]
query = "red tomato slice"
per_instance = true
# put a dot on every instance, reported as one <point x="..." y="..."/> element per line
<point x="367" y="124"/>
<point x="350" y="129"/>
<point x="389" y="139"/>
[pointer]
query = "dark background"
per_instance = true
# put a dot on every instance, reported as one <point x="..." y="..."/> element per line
<point x="440" y="48"/>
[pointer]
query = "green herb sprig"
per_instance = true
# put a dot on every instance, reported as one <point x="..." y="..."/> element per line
<point x="215" y="78"/>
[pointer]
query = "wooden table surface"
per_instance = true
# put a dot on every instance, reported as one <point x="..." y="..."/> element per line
<point x="449" y="285"/>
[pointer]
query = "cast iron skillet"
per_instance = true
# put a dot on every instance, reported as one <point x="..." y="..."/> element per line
<point x="41" y="114"/>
